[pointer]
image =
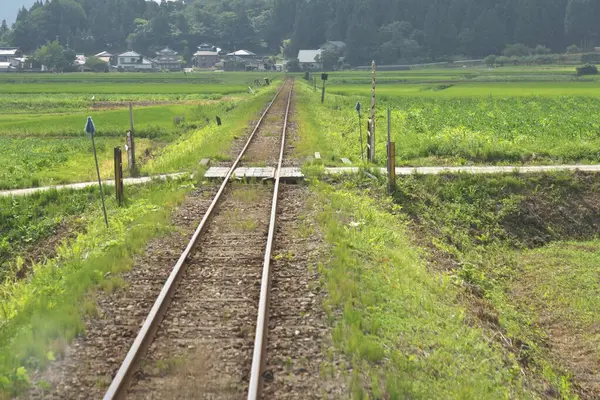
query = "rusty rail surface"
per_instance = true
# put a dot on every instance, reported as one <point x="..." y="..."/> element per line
<point x="120" y="384"/>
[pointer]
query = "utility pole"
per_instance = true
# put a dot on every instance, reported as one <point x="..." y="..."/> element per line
<point x="131" y="144"/>
<point x="371" y="139"/>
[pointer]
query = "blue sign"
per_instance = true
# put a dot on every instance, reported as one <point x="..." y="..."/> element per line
<point x="90" y="129"/>
<point x="358" y="106"/>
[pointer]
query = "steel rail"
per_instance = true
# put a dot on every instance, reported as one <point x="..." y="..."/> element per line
<point x="120" y="384"/>
<point x="262" y="323"/>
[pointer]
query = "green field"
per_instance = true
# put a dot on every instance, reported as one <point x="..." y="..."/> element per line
<point x="42" y="118"/>
<point x="463" y="123"/>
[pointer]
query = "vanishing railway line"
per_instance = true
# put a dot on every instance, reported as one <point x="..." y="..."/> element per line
<point x="213" y="309"/>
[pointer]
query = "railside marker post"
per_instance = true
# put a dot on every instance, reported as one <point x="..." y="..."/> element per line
<point x="131" y="143"/>
<point x="362" y="151"/>
<point x="90" y="129"/>
<point x="389" y="140"/>
<point x="119" y="176"/>
<point x="392" y="163"/>
<point x="324" y="77"/>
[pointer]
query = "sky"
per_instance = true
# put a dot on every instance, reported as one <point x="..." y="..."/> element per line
<point x="10" y="8"/>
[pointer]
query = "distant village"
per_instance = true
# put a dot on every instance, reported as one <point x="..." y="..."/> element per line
<point x="207" y="57"/>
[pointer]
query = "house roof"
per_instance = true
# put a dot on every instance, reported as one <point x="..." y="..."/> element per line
<point x="241" y="53"/>
<point x="205" y="53"/>
<point x="130" y="54"/>
<point x="167" y="50"/>
<point x="8" y="51"/>
<point x="104" y="54"/>
<point x="308" y="56"/>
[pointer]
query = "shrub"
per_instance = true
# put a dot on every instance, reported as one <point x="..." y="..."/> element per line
<point x="588" y="69"/>
<point x="490" y="60"/>
<point x="573" y="49"/>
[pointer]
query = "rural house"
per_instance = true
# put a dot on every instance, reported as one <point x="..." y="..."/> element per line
<point x="308" y="60"/>
<point x="107" y="57"/>
<point x="168" y="59"/>
<point x="11" y="59"/>
<point x="206" y="56"/>
<point x="132" y="61"/>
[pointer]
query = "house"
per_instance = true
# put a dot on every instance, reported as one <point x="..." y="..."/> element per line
<point x="242" y="53"/>
<point x="11" y="59"/>
<point x="132" y="61"/>
<point x="334" y="45"/>
<point x="206" y="56"/>
<point x="168" y="59"/>
<point x="308" y="59"/>
<point x="107" y="57"/>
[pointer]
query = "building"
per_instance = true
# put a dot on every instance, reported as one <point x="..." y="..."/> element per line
<point x="11" y="59"/>
<point x="107" y="57"/>
<point x="168" y="59"/>
<point x="132" y="61"/>
<point x="242" y="53"/>
<point x="207" y="56"/>
<point x="308" y="59"/>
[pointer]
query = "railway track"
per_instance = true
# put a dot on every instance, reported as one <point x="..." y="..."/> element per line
<point x="206" y="335"/>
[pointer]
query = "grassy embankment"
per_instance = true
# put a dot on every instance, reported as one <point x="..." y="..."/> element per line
<point x="499" y="302"/>
<point x="41" y="314"/>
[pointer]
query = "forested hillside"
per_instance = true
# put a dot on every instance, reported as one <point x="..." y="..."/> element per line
<point x="387" y="30"/>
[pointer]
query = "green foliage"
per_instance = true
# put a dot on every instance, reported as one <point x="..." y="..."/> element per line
<point x="394" y="32"/>
<point x="439" y="126"/>
<point x="26" y="220"/>
<point x="96" y="64"/>
<point x="39" y="315"/>
<point x="54" y="56"/>
<point x="476" y="227"/>
<point x="588" y="69"/>
<point x="401" y="325"/>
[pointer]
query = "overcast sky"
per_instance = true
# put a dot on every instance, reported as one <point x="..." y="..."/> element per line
<point x="9" y="9"/>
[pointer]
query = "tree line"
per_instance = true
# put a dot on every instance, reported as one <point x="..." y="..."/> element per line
<point x="390" y="31"/>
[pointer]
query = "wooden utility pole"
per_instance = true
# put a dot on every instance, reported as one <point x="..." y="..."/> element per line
<point x="131" y="144"/>
<point x="371" y="134"/>
<point x="391" y="155"/>
<point x="119" y="176"/>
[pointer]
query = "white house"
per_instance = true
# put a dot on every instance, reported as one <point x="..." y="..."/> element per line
<point x="132" y="61"/>
<point x="308" y="59"/>
<point x="11" y="58"/>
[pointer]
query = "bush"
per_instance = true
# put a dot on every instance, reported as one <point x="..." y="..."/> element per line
<point x="573" y="49"/>
<point x="490" y="60"/>
<point x="588" y="69"/>
<point x="516" y="50"/>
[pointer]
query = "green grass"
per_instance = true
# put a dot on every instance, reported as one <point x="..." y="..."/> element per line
<point x="448" y="129"/>
<point x="480" y="231"/>
<point x="40" y="315"/>
<point x="24" y="221"/>
<point x="34" y="162"/>
<point x="403" y="327"/>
